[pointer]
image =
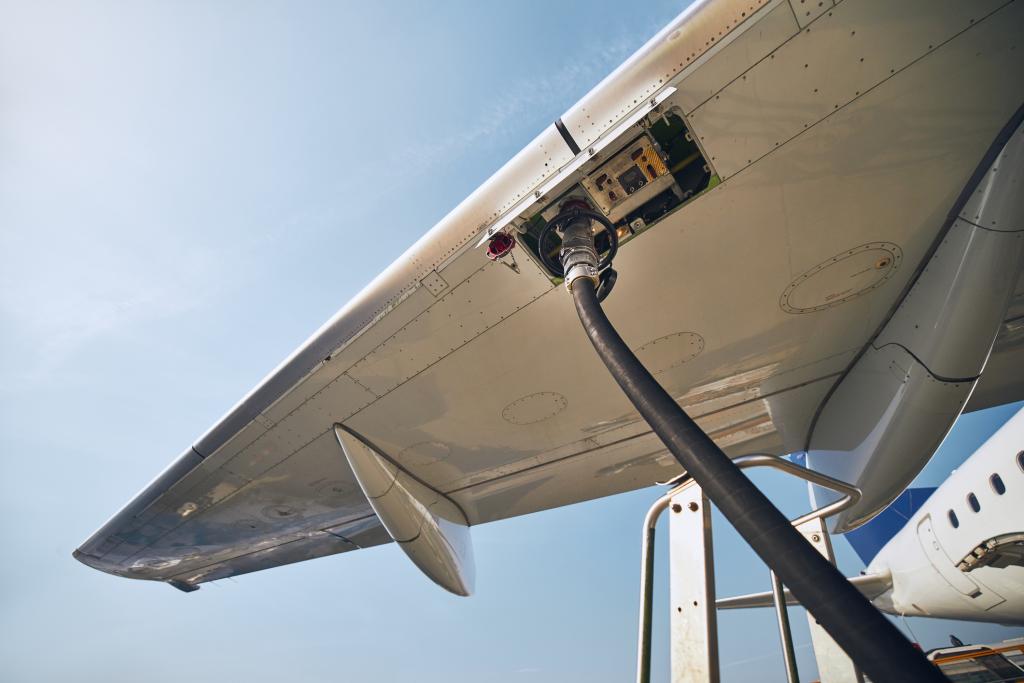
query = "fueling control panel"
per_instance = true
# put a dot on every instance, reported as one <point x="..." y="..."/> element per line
<point x="630" y="178"/>
<point x="658" y="170"/>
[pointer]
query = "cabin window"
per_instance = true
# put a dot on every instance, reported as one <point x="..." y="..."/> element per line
<point x="1020" y="461"/>
<point x="953" y="521"/>
<point x="972" y="500"/>
<point x="997" y="484"/>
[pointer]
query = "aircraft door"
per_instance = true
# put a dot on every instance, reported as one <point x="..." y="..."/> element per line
<point x="981" y="596"/>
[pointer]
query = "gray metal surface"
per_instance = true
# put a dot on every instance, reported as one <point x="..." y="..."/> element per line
<point x="643" y="654"/>
<point x="693" y="619"/>
<point x="896" y="404"/>
<point x="428" y="526"/>
<point x="694" y="636"/>
<point x="833" y="664"/>
<point x="785" y="633"/>
<point x="472" y="374"/>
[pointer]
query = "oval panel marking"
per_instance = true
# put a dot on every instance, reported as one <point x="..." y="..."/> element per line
<point x="842" y="278"/>
<point x="279" y="511"/>
<point x="672" y="350"/>
<point x="334" y="490"/>
<point x="534" y="408"/>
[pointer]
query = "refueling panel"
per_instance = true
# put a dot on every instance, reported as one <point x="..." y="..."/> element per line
<point x="630" y="178"/>
<point x="658" y="170"/>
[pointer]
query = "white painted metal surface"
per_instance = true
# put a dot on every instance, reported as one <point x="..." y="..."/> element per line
<point x="847" y="52"/>
<point x="896" y="404"/>
<point x="693" y="620"/>
<point x="693" y="613"/>
<point x="675" y="48"/>
<point x="430" y="373"/>
<point x="427" y="526"/>
<point x="950" y="560"/>
<point x="926" y="557"/>
<point x="736" y="52"/>
<point x="833" y="664"/>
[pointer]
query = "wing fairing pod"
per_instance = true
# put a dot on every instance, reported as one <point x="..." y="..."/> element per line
<point x="428" y="526"/>
<point x="901" y="397"/>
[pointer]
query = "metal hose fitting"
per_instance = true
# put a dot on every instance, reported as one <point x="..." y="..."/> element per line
<point x="578" y="254"/>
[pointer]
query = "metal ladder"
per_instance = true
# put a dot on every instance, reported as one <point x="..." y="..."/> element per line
<point x="694" y="615"/>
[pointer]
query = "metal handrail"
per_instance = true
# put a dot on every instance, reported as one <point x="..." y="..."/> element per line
<point x="782" y="617"/>
<point x="851" y="496"/>
<point x="643" y="656"/>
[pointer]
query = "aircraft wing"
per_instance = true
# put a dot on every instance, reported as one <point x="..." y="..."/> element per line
<point x="778" y="184"/>
<point x="870" y="585"/>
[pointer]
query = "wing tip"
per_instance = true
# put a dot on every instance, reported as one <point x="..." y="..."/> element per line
<point x="183" y="586"/>
<point x="95" y="563"/>
<point x="85" y="558"/>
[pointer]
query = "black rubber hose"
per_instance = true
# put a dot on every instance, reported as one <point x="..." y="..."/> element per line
<point x="871" y="640"/>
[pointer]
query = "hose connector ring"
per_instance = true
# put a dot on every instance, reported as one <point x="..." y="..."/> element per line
<point x="575" y="225"/>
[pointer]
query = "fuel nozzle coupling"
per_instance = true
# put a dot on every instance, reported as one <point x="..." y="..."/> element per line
<point x="579" y="254"/>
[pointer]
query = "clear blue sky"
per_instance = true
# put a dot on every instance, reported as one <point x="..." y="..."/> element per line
<point x="187" y="190"/>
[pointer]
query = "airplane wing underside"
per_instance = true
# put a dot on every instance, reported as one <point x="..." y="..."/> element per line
<point x="829" y="148"/>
